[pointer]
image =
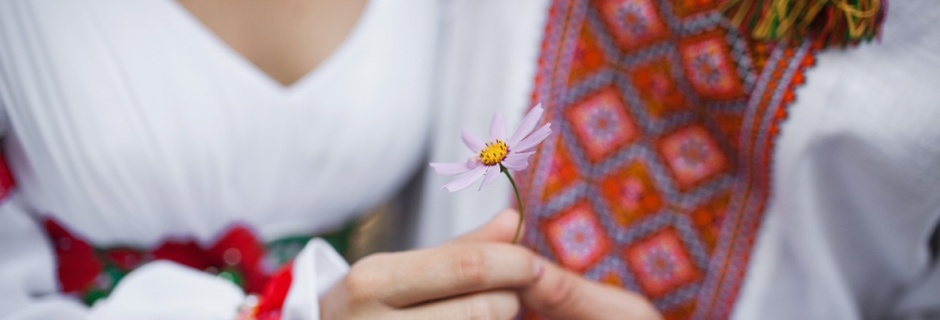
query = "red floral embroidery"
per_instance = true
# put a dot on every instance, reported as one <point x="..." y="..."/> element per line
<point x="240" y="249"/>
<point x="6" y="178"/>
<point x="77" y="265"/>
<point x="274" y="294"/>
<point x="185" y="253"/>
<point x="91" y="273"/>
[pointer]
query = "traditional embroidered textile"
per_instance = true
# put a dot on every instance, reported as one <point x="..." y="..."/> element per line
<point x="660" y="171"/>
<point x="830" y="22"/>
<point x="91" y="273"/>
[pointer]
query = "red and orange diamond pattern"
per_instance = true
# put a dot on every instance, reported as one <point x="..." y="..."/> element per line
<point x="661" y="263"/>
<point x="657" y="175"/>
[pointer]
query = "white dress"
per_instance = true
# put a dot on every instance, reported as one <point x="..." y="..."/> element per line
<point x="857" y="166"/>
<point x="130" y="123"/>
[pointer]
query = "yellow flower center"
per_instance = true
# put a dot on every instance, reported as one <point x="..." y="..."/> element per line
<point x="494" y="153"/>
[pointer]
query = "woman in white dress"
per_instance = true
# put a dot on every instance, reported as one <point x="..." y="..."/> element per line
<point x="151" y="122"/>
<point x="153" y="129"/>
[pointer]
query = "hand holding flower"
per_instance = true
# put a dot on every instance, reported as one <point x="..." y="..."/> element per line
<point x="477" y="276"/>
<point x="474" y="277"/>
<point x="498" y="155"/>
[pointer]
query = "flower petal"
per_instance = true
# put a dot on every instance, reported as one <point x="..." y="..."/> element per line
<point x="517" y="161"/>
<point x="532" y="140"/>
<point x="498" y="127"/>
<point x="491" y="173"/>
<point x="527" y="125"/>
<point x="473" y="162"/>
<point x="450" y="169"/>
<point x="466" y="179"/>
<point x="475" y="144"/>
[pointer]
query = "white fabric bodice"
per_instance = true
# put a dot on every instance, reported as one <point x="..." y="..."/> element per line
<point x="130" y="122"/>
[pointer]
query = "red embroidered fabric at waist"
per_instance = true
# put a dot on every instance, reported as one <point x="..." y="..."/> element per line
<point x="91" y="273"/>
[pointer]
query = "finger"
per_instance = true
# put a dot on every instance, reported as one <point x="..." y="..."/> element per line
<point x="452" y="270"/>
<point x="561" y="294"/>
<point x="488" y="305"/>
<point x="499" y="229"/>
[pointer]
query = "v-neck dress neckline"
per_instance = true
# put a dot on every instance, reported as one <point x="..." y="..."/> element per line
<point x="253" y="73"/>
<point x="134" y="123"/>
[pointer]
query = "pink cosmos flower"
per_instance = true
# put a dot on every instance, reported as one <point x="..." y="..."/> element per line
<point x="498" y="154"/>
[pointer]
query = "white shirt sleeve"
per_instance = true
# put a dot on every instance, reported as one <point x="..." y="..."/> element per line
<point x="856" y="174"/>
<point x="315" y="270"/>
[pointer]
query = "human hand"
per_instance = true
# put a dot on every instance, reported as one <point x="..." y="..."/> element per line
<point x="474" y="277"/>
<point x="561" y="294"/>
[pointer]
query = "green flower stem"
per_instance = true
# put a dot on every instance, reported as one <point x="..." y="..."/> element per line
<point x="515" y="238"/>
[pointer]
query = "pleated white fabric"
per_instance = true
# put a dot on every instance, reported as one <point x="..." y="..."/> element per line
<point x="130" y="123"/>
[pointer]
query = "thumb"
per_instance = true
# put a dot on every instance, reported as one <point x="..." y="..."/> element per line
<point x="499" y="229"/>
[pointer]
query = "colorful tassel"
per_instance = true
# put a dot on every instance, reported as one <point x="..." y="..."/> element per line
<point x="830" y="22"/>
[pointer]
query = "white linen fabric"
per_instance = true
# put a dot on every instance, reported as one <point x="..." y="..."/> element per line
<point x="129" y="123"/>
<point x="856" y="192"/>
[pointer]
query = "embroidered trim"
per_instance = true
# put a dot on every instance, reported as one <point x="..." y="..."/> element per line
<point x="91" y="273"/>
<point x="659" y="176"/>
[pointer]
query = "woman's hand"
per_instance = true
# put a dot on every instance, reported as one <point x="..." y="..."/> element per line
<point x="477" y="276"/>
<point x="464" y="279"/>
<point x="561" y="294"/>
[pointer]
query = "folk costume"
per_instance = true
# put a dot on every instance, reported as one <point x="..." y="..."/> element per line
<point x="717" y="175"/>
